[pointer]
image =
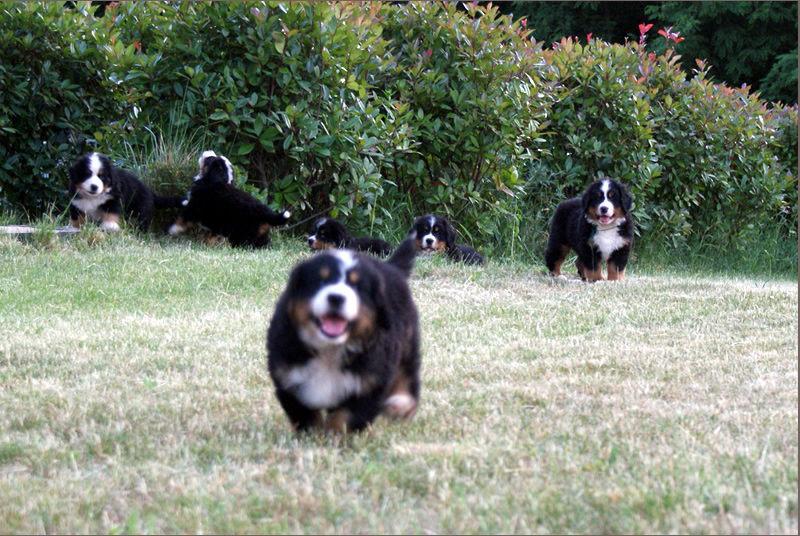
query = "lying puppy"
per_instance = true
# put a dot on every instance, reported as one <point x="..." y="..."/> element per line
<point x="329" y="233"/>
<point x="436" y="235"/>
<point x="598" y="226"/>
<point x="343" y="343"/>
<point x="217" y="205"/>
<point x="103" y="193"/>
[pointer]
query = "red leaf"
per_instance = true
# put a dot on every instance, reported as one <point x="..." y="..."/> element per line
<point x="644" y="28"/>
<point x="589" y="37"/>
<point x="137" y="45"/>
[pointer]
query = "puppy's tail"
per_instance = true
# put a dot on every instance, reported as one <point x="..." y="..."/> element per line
<point x="405" y="254"/>
<point x="274" y="218"/>
<point x="168" y="201"/>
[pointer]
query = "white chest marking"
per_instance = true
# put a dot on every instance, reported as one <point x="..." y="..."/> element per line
<point x="90" y="205"/>
<point x="321" y="383"/>
<point x="607" y="239"/>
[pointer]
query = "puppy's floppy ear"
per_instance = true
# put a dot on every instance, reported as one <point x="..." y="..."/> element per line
<point x="450" y="233"/>
<point x="73" y="172"/>
<point x="381" y="310"/>
<point x="627" y="198"/>
<point x="586" y="198"/>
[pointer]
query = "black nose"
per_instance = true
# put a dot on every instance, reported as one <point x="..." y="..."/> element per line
<point x="310" y="241"/>
<point x="93" y="188"/>
<point x="429" y="241"/>
<point x="335" y="300"/>
<point x="603" y="210"/>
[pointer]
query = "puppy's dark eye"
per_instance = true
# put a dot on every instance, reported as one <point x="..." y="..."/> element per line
<point x="599" y="195"/>
<point x="427" y="228"/>
<point x="436" y="229"/>
<point x="324" y="273"/>
<point x="353" y="277"/>
<point x="610" y="195"/>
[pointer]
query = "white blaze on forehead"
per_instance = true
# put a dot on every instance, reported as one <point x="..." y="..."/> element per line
<point x="348" y="310"/>
<point x="229" y="167"/>
<point x="95" y="165"/>
<point x="425" y="237"/>
<point x="205" y="155"/>
<point x="605" y="186"/>
<point x="347" y="260"/>
<point x="321" y="307"/>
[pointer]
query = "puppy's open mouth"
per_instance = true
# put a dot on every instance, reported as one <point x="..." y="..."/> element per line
<point x="332" y="326"/>
<point x="605" y="219"/>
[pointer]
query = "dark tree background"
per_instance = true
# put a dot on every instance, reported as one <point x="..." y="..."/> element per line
<point x="745" y="42"/>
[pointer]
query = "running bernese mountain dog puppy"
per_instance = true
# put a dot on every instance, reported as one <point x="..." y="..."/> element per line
<point x="436" y="235"/>
<point x="220" y="207"/>
<point x="330" y="233"/>
<point x="343" y="343"/>
<point x="102" y="193"/>
<point x="598" y="226"/>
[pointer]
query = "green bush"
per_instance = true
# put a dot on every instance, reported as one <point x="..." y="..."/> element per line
<point x="53" y="97"/>
<point x="380" y="112"/>
<point x="472" y="82"/>
<point x="281" y="89"/>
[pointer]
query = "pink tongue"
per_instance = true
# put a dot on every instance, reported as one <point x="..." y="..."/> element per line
<point x="333" y="326"/>
<point x="605" y="219"/>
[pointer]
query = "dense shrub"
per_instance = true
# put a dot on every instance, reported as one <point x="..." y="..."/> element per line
<point x="474" y="86"/>
<point x="702" y="159"/>
<point x="380" y="112"/>
<point x="51" y="100"/>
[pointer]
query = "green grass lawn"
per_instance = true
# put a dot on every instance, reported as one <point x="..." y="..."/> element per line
<point x="134" y="397"/>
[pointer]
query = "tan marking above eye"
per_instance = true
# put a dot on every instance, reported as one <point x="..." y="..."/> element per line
<point x="353" y="277"/>
<point x="610" y="195"/>
<point x="324" y="273"/>
<point x="427" y="228"/>
<point x="436" y="229"/>
<point x="100" y="173"/>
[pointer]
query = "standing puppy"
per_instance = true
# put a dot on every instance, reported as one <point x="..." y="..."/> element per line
<point x="598" y="226"/>
<point x="217" y="205"/>
<point x="103" y="193"/>
<point x="343" y="344"/>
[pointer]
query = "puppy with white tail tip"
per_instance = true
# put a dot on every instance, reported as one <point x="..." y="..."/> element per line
<point x="216" y="204"/>
<point x="343" y="343"/>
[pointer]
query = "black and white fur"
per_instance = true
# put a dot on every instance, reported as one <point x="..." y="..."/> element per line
<point x="330" y="233"/>
<point x="214" y="203"/>
<point x="105" y="194"/>
<point x="436" y="235"/>
<point x="598" y="226"/>
<point x="343" y="343"/>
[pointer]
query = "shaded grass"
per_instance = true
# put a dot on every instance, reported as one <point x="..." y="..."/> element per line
<point x="134" y="398"/>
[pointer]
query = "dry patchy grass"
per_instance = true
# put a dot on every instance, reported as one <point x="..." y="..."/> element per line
<point x="134" y="398"/>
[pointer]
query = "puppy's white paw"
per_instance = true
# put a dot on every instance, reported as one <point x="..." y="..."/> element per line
<point x="401" y="405"/>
